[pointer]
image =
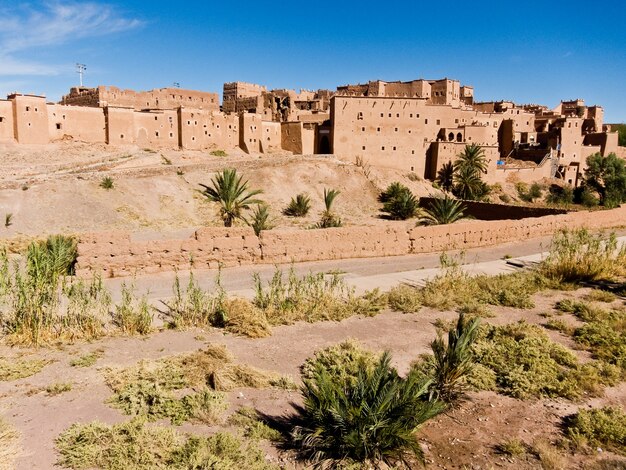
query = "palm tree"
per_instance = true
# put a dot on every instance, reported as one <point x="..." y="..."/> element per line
<point x="444" y="210"/>
<point x="232" y="194"/>
<point x="260" y="219"/>
<point x="329" y="219"/>
<point x="371" y="421"/>
<point x="472" y="157"/>
<point x="467" y="183"/>
<point x="445" y="176"/>
<point x="402" y="206"/>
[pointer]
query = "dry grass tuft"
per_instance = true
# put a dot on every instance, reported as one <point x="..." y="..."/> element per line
<point x="19" y="369"/>
<point x="135" y="445"/>
<point x="252" y="425"/>
<point x="243" y="318"/>
<point x="548" y="455"/>
<point x="58" y="388"/>
<point x="87" y="360"/>
<point x="9" y="445"/>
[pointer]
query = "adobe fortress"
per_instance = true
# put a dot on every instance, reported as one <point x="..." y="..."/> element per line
<point x="414" y="126"/>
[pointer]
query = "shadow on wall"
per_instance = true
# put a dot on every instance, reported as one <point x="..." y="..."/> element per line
<point x="491" y="211"/>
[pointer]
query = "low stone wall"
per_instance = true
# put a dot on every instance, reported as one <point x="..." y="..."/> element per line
<point x="490" y="211"/>
<point x="117" y="254"/>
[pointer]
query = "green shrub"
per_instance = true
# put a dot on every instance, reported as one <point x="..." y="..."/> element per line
<point x="452" y="360"/>
<point x="312" y="297"/>
<point x="260" y="219"/>
<point x="87" y="360"/>
<point x="444" y="210"/>
<point x="512" y="448"/>
<point x="133" y="445"/>
<point x="399" y="202"/>
<point x="342" y="362"/>
<point x="560" y="195"/>
<point x="373" y="421"/>
<point x="195" y="307"/>
<point x="298" y="206"/>
<point x="604" y="426"/>
<point x="404" y="298"/>
<point x="132" y="315"/>
<point x="14" y="369"/>
<point x="58" y="388"/>
<point x="107" y="183"/>
<point x="219" y="153"/>
<point x="577" y="256"/>
<point x="329" y="219"/>
<point x="526" y="363"/>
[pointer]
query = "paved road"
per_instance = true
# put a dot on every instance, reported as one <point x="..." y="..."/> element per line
<point x="364" y="274"/>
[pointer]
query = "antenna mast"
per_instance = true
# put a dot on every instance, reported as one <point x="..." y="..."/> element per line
<point x="80" y="69"/>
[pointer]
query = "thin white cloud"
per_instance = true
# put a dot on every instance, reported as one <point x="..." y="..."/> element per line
<point x="52" y="24"/>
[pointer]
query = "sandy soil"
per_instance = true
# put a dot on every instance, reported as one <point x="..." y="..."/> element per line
<point x="462" y="438"/>
<point x="55" y="188"/>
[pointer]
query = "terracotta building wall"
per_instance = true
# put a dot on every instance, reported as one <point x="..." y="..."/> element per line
<point x="30" y="118"/>
<point x="208" y="130"/>
<point x="271" y="136"/>
<point x="7" y="130"/>
<point x="77" y="123"/>
<point x="120" y="126"/>
<point x="250" y="132"/>
<point x="157" y="129"/>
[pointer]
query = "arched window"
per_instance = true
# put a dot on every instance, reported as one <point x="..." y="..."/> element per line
<point x="451" y="136"/>
<point x="459" y="137"/>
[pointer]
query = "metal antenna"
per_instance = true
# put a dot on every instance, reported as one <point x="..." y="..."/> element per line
<point x="176" y="85"/>
<point x="80" y="69"/>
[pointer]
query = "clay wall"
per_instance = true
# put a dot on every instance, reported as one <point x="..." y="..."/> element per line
<point x="398" y="132"/>
<point x="119" y="254"/>
<point x="161" y="98"/>
<point x="30" y="119"/>
<point x="291" y="137"/>
<point x="201" y="129"/>
<point x="76" y="123"/>
<point x="7" y="130"/>
<point x="120" y="126"/>
<point x="158" y="129"/>
<point x="271" y="136"/>
<point x="251" y="132"/>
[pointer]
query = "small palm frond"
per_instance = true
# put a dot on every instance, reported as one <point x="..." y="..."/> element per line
<point x="445" y="210"/>
<point x="329" y="197"/>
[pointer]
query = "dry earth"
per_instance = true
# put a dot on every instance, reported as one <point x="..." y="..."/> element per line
<point x="465" y="437"/>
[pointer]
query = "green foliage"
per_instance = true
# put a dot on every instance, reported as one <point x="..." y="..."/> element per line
<point x="372" y="421"/>
<point x="525" y="363"/>
<point x="58" y="388"/>
<point x="404" y="298"/>
<point x="586" y="197"/>
<point x="604" y="426"/>
<point x="342" y="362"/>
<point x="607" y="176"/>
<point x="604" y="334"/>
<point x="621" y="132"/>
<point x="512" y="448"/>
<point x="253" y="426"/>
<point x="42" y="304"/>
<point x="560" y="195"/>
<point x="87" y="360"/>
<point x="232" y="194"/>
<point x="443" y="210"/>
<point x="578" y="255"/>
<point x="260" y="219"/>
<point x="219" y="153"/>
<point x="471" y="163"/>
<point x="14" y="369"/>
<point x="445" y="177"/>
<point x="195" y="307"/>
<point x="399" y="202"/>
<point x="165" y="160"/>
<point x="452" y="361"/>
<point x="529" y="194"/>
<point x="298" y="206"/>
<point x="133" y="445"/>
<point x="107" y="183"/>
<point x="329" y="219"/>
<point x="312" y="297"/>
<point x="8" y="220"/>
<point x="132" y="315"/>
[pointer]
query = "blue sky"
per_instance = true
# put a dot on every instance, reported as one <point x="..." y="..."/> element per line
<point x="539" y="52"/>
